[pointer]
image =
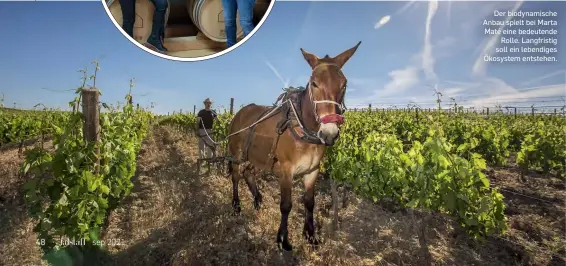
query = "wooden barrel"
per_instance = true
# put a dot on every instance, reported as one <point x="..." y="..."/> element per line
<point x="144" y="17"/>
<point x="208" y="16"/>
<point x="260" y="9"/>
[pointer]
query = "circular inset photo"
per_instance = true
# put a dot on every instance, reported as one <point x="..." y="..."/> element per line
<point x="188" y="30"/>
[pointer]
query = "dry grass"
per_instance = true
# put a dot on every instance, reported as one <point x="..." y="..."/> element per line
<point x="17" y="239"/>
<point x="176" y="217"/>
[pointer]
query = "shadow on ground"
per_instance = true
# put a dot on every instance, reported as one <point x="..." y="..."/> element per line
<point x="176" y="217"/>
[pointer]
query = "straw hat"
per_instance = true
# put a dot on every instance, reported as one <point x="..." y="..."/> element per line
<point x="207" y="100"/>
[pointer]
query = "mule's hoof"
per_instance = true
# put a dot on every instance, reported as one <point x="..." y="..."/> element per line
<point x="285" y="246"/>
<point x="237" y="209"/>
<point x="283" y="243"/>
<point x="311" y="239"/>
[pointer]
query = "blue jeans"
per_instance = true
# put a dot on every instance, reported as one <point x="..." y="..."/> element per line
<point x="129" y="17"/>
<point x="246" y="10"/>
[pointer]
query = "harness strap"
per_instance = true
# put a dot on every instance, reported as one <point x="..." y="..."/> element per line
<point x="245" y="151"/>
<point x="302" y="135"/>
<point x="272" y="155"/>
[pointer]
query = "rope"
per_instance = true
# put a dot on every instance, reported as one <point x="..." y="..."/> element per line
<point x="206" y="132"/>
<point x="248" y="127"/>
<point x="256" y="122"/>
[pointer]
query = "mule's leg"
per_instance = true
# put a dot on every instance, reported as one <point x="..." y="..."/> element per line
<point x="308" y="200"/>
<point x="235" y="181"/>
<point x="252" y="185"/>
<point x="285" y="183"/>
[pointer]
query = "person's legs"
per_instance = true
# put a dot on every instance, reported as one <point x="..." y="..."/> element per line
<point x="201" y="144"/>
<point x="209" y="144"/>
<point x="157" y="29"/>
<point x="230" y="10"/>
<point x="246" y="11"/>
<point x="128" y="16"/>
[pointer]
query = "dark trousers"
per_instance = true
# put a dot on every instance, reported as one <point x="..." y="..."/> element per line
<point x="246" y="10"/>
<point x="129" y="18"/>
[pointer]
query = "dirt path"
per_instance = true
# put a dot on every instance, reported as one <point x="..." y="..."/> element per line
<point x="17" y="239"/>
<point x="178" y="218"/>
<point x="174" y="217"/>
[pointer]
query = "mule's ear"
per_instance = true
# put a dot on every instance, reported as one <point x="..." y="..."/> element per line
<point x="311" y="58"/>
<point x="342" y="58"/>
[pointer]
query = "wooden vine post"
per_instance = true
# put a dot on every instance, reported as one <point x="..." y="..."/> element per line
<point x="231" y="106"/>
<point x="91" y="125"/>
<point x="334" y="191"/>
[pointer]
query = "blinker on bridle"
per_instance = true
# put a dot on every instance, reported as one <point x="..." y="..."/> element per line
<point x="331" y="118"/>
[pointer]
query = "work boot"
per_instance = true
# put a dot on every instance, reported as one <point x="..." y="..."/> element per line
<point x="155" y="40"/>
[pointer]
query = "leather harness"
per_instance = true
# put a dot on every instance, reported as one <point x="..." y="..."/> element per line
<point x="292" y="119"/>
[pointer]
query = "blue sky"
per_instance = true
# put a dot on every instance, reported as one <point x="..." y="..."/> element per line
<point x="46" y="43"/>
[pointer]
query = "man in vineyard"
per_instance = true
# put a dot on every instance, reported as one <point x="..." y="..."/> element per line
<point x="205" y="122"/>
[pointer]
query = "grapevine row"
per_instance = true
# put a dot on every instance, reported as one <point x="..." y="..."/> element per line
<point x="74" y="187"/>
<point x="436" y="160"/>
<point x="22" y="125"/>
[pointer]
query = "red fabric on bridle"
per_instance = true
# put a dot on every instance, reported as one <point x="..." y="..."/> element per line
<point x="333" y="118"/>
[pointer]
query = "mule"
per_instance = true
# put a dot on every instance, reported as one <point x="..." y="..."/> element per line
<point x="290" y="140"/>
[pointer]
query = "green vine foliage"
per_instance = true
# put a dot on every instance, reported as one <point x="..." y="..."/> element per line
<point x="23" y="125"/>
<point x="432" y="160"/>
<point x="66" y="194"/>
<point x="544" y="148"/>
<point x="417" y="167"/>
<point x="187" y="122"/>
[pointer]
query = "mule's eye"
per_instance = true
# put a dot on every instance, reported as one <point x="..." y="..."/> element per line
<point x="314" y="84"/>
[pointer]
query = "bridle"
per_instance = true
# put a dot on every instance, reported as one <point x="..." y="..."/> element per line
<point x="338" y="119"/>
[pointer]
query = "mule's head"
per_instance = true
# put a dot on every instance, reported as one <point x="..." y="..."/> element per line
<point x="327" y="89"/>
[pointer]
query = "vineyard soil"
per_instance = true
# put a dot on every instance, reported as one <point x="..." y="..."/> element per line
<point x="174" y="217"/>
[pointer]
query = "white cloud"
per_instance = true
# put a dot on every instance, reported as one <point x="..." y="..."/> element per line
<point x="549" y="75"/>
<point x="274" y="70"/>
<point x="452" y="92"/>
<point x="382" y="22"/>
<point x="405" y="7"/>
<point x="428" y="59"/>
<point x="556" y="90"/>
<point x="406" y="83"/>
<point x="401" y="80"/>
<point x="489" y="47"/>
<point x="462" y="84"/>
